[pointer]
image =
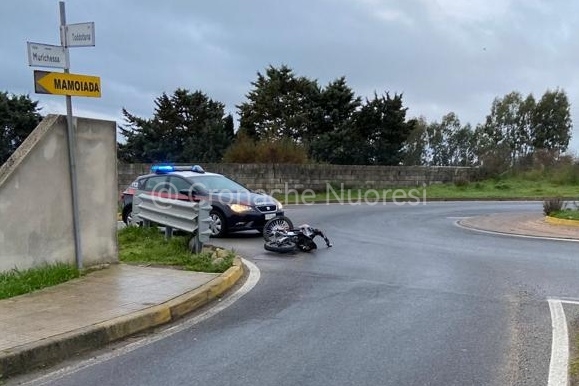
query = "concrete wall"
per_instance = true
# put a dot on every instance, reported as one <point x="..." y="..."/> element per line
<point x="35" y="196"/>
<point x="315" y="176"/>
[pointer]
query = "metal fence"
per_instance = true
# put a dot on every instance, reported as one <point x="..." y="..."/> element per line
<point x="191" y="217"/>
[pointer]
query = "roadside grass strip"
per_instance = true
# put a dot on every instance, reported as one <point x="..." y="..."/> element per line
<point x="18" y="282"/>
<point x="148" y="246"/>
<point x="492" y="189"/>
<point x="567" y="215"/>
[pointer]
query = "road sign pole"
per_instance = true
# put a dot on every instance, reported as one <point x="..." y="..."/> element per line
<point x="71" y="152"/>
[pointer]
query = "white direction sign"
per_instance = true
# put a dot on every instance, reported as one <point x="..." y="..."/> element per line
<point x="45" y="55"/>
<point x="79" y="35"/>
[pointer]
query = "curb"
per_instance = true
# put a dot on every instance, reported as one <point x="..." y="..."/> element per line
<point x="561" y="221"/>
<point x="57" y="348"/>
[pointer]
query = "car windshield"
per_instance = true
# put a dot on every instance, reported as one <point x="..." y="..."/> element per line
<point x="217" y="184"/>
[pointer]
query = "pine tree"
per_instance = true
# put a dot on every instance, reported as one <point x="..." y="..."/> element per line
<point x="19" y="115"/>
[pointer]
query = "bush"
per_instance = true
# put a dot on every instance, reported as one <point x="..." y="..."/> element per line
<point x="461" y="182"/>
<point x="552" y="205"/>
<point x="279" y="151"/>
<point x="494" y="164"/>
<point x="566" y="174"/>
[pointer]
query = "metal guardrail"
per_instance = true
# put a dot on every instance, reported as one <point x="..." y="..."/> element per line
<point x="191" y="217"/>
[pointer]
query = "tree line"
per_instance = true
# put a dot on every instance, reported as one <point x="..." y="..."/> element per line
<point x="514" y="131"/>
<point x="291" y="118"/>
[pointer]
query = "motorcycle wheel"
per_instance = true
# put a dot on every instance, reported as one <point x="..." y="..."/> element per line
<point x="280" y="223"/>
<point x="283" y="248"/>
<point x="306" y="245"/>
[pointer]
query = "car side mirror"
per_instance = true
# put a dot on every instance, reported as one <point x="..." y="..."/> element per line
<point x="191" y="193"/>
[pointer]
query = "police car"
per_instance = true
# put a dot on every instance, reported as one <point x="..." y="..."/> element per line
<point x="234" y="207"/>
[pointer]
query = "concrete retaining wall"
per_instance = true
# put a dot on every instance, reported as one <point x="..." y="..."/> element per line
<point x="35" y="196"/>
<point x="313" y="176"/>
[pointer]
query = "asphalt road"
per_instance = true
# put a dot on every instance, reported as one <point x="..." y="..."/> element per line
<point x="405" y="297"/>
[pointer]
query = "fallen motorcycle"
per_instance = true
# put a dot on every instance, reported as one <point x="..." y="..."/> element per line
<point x="281" y="236"/>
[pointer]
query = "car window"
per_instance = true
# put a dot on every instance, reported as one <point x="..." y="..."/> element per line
<point x="156" y="184"/>
<point x="216" y="183"/>
<point x="177" y="184"/>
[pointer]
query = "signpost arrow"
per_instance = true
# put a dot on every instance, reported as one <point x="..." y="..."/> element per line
<point x="61" y="83"/>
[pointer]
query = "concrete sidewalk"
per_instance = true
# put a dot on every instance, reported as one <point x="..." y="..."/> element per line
<point x="49" y="325"/>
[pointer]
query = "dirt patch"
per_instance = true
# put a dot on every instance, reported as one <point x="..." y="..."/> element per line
<point x="521" y="224"/>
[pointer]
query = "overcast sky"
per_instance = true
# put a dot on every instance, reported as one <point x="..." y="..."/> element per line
<point x="444" y="55"/>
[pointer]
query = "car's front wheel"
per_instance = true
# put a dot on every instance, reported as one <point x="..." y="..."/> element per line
<point x="218" y="225"/>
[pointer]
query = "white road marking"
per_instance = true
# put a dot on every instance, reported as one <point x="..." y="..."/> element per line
<point x="568" y="301"/>
<point x="252" y="279"/>
<point x="458" y="224"/>
<point x="558" y="368"/>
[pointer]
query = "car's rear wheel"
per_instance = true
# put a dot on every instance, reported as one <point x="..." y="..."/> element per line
<point x="218" y="225"/>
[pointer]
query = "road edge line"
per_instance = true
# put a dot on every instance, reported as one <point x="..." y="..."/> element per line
<point x="559" y="364"/>
<point x="507" y="234"/>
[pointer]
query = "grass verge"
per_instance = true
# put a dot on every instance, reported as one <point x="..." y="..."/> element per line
<point x="567" y="214"/>
<point x="506" y="188"/>
<point x="17" y="282"/>
<point x="136" y="246"/>
<point x="140" y="245"/>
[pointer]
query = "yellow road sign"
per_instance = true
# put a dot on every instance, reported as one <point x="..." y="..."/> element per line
<point x="60" y="83"/>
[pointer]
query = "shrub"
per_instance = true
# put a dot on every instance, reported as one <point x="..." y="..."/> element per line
<point x="279" y="151"/>
<point x="494" y="163"/>
<point x="565" y="174"/>
<point x="461" y="182"/>
<point x="552" y="205"/>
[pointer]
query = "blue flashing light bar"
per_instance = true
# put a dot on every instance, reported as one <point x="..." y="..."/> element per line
<point x="160" y="169"/>
<point x="164" y="168"/>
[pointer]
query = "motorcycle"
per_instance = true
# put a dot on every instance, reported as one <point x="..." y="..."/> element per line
<point x="281" y="236"/>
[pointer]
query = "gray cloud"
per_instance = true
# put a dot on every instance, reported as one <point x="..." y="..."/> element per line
<point x="444" y="55"/>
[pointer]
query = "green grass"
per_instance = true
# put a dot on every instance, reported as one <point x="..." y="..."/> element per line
<point x="17" y="282"/>
<point x="139" y="245"/>
<point x="136" y="245"/>
<point x="567" y="214"/>
<point x="505" y="188"/>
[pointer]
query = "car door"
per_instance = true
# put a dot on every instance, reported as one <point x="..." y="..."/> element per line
<point x="177" y="186"/>
<point x="157" y="186"/>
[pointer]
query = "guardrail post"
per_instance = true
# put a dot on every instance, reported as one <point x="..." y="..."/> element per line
<point x="168" y="233"/>
<point x="204" y="221"/>
<point x="195" y="246"/>
<point x="203" y="232"/>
